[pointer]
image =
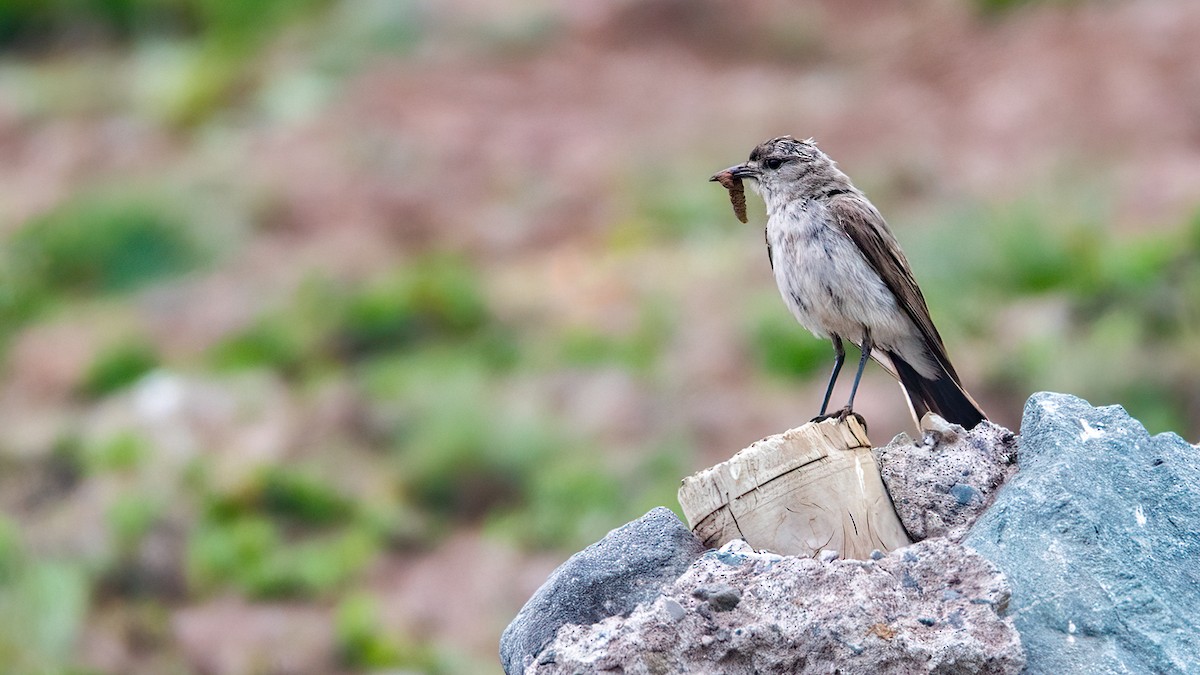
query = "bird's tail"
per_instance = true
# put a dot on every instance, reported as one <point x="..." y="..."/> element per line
<point x="943" y="395"/>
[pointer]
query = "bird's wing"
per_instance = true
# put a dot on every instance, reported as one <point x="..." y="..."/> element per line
<point x="867" y="229"/>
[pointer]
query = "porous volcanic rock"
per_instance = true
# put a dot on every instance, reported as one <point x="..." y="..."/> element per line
<point x="942" y="484"/>
<point x="932" y="607"/>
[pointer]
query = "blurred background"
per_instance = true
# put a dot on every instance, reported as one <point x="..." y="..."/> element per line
<point x="329" y="327"/>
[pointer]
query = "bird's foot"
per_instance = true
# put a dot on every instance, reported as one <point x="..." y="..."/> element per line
<point x="841" y="415"/>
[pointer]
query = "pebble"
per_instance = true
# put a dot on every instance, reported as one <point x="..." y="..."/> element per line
<point x="674" y="609"/>
<point x="725" y="599"/>
<point x="965" y="494"/>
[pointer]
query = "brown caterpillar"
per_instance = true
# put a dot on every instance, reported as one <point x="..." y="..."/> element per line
<point x="737" y="193"/>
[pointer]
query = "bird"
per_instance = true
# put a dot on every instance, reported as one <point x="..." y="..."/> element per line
<point x="843" y="276"/>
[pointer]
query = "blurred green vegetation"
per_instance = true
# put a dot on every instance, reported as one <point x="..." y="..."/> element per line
<point x="434" y="304"/>
<point x="39" y="24"/>
<point x="363" y="644"/>
<point x="122" y="451"/>
<point x="434" y="362"/>
<point x="216" y="41"/>
<point x="253" y="554"/>
<point x="783" y="347"/>
<point x="668" y="203"/>
<point x="92" y="245"/>
<point x="43" y="604"/>
<point x="435" y="299"/>
<point x="119" y="366"/>
<point x="997" y="8"/>
<point x="284" y="533"/>
<point x="639" y="350"/>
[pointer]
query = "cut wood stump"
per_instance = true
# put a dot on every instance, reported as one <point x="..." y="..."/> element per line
<point x="810" y="489"/>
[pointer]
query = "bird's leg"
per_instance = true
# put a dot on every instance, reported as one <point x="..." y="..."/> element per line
<point x="838" y="359"/>
<point x="842" y="414"/>
<point x="862" y="364"/>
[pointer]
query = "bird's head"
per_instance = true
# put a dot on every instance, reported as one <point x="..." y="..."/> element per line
<point x="784" y="169"/>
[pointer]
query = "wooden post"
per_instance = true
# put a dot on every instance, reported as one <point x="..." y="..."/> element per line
<point x="810" y="489"/>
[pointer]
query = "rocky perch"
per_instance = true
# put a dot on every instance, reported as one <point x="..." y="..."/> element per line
<point x="928" y="606"/>
<point x="1084" y="561"/>
<point x="1099" y="535"/>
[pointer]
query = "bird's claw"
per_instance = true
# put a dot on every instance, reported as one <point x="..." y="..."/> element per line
<point x="841" y="416"/>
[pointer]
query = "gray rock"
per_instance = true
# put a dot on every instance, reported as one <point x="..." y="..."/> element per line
<point x="1099" y="535"/>
<point x="609" y="578"/>
<point x="940" y="485"/>
<point x="800" y="615"/>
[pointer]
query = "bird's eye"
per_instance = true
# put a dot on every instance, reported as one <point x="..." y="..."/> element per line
<point x="773" y="163"/>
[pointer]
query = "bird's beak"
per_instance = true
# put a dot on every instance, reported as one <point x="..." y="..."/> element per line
<point x="737" y="171"/>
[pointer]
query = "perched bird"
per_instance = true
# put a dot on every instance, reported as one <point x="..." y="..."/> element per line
<point x="844" y="277"/>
